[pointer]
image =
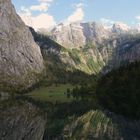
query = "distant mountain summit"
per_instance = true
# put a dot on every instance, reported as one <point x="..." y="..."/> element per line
<point x="91" y="47"/>
<point x="69" y="35"/>
<point x="120" y="28"/>
<point x="77" y="35"/>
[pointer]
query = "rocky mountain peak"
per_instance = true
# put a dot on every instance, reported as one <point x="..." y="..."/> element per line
<point x="76" y="35"/>
<point x="120" y="28"/>
<point x="70" y="35"/>
<point x="97" y="44"/>
<point x="95" y="32"/>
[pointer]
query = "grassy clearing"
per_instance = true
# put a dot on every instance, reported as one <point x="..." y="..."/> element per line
<point x="52" y="93"/>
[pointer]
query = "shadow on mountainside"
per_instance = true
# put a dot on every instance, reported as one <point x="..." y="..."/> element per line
<point x="118" y="89"/>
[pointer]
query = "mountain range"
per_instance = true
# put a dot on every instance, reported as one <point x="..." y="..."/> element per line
<point x="80" y="54"/>
<point x="92" y="48"/>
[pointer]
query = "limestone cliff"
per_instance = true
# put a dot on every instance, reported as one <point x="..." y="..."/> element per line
<point x="77" y="35"/>
<point x="20" y="58"/>
<point x="110" y="47"/>
<point x="85" y="58"/>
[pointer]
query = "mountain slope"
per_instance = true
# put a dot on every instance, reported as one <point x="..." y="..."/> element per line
<point x="119" y="90"/>
<point x="21" y="62"/>
<point x="69" y="60"/>
<point x="77" y="35"/>
<point x="101" y="125"/>
<point x="86" y="59"/>
<point x="111" y="46"/>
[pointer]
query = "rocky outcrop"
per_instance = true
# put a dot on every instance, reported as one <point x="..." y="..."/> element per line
<point x="21" y="61"/>
<point x="77" y="35"/>
<point x="20" y="120"/>
<point x="95" y="33"/>
<point x="101" y="125"/>
<point x="69" y="36"/>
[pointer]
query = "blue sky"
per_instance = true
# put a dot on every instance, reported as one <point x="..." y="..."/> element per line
<point x="117" y="10"/>
<point x="47" y="13"/>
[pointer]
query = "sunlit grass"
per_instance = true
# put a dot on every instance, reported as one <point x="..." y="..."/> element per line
<point x="52" y="93"/>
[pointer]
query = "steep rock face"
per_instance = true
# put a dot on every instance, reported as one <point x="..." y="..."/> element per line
<point x="86" y="59"/>
<point x="79" y="51"/>
<point x="20" y="58"/>
<point x="20" y="121"/>
<point x="77" y="35"/>
<point x="95" y="33"/>
<point x="70" y="36"/>
<point x="102" y="126"/>
<point x="126" y="50"/>
<point x="120" y="28"/>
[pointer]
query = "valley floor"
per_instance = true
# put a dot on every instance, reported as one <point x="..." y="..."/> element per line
<point x="53" y="93"/>
<point x="70" y="119"/>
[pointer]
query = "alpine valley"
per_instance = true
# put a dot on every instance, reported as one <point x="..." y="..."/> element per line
<point x="77" y="81"/>
<point x="89" y="47"/>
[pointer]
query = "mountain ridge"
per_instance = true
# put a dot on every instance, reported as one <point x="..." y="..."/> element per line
<point x="105" y="48"/>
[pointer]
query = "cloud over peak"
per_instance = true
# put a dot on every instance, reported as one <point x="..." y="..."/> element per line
<point x="42" y="20"/>
<point x="45" y="20"/>
<point x="76" y="16"/>
<point x="45" y="1"/>
<point x="41" y="7"/>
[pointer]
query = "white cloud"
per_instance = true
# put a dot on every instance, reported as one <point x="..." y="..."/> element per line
<point x="45" y="1"/>
<point x="26" y="11"/>
<point x="27" y="19"/>
<point x="137" y="23"/>
<point x="43" y="20"/>
<point x="25" y="14"/>
<point x="108" y="24"/>
<point x="76" y="16"/>
<point x="138" y="17"/>
<point x="78" y="5"/>
<point x="42" y="7"/>
<point x="107" y="21"/>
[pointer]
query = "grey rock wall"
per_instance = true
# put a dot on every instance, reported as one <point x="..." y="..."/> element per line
<point x="21" y="61"/>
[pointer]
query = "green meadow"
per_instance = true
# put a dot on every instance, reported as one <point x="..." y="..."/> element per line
<point x="52" y="93"/>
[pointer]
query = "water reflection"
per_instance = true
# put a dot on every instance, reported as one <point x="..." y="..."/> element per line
<point x="4" y="96"/>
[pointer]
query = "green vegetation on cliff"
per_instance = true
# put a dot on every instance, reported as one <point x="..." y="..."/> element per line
<point x="68" y="60"/>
